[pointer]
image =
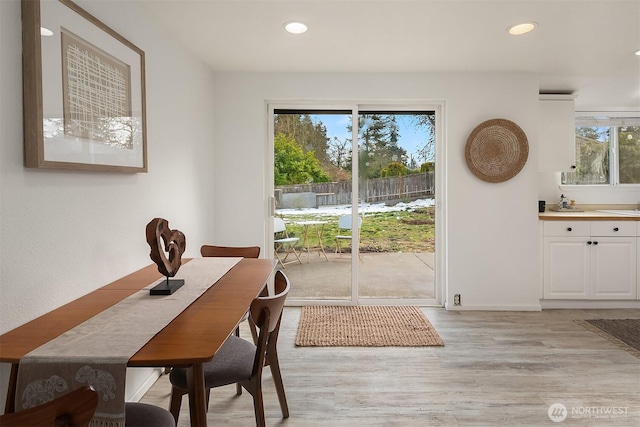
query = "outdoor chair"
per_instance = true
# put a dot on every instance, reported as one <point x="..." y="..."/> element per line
<point x="344" y="223"/>
<point x="74" y="409"/>
<point x="284" y="242"/>
<point x="240" y="361"/>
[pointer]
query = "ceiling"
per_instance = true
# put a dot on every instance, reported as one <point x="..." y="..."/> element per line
<point x="585" y="47"/>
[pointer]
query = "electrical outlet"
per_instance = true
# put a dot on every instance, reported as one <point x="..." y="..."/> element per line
<point x="456" y="299"/>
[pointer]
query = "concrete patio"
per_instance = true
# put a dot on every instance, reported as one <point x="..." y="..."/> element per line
<point x="381" y="275"/>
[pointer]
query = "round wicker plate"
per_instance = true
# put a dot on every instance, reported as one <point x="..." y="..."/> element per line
<point x="496" y="150"/>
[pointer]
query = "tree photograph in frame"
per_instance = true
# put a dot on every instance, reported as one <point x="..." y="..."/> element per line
<point x="84" y="92"/>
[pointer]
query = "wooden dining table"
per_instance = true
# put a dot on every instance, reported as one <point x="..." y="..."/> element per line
<point x="190" y="339"/>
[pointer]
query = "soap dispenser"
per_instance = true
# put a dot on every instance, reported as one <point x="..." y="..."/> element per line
<point x="564" y="202"/>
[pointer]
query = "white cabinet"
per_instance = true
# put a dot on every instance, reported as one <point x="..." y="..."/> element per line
<point x="566" y="260"/>
<point x="614" y="259"/>
<point x="590" y="260"/>
<point x="556" y="133"/>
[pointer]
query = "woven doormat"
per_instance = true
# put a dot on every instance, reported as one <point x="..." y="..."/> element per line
<point x="624" y="333"/>
<point x="365" y="326"/>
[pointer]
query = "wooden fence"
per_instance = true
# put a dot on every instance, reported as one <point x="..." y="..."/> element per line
<point x="371" y="190"/>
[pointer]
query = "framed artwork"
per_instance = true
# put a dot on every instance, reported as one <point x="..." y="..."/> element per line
<point x="84" y="92"/>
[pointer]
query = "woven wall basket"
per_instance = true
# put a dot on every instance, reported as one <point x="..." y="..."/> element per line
<point x="496" y="150"/>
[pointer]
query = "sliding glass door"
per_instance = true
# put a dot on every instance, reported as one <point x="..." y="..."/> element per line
<point x="356" y="189"/>
<point x="396" y="185"/>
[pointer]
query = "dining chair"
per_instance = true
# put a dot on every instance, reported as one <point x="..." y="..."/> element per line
<point x="344" y="223"/>
<point x="284" y="242"/>
<point x="230" y="251"/>
<point x="145" y="415"/>
<point x="74" y="409"/>
<point x="240" y="361"/>
<point x="234" y="251"/>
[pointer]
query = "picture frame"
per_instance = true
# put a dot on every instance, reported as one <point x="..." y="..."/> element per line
<point x="83" y="92"/>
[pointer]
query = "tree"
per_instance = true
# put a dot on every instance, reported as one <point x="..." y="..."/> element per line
<point x="339" y="152"/>
<point x="293" y="166"/>
<point x="593" y="133"/>
<point x="394" y="169"/>
<point x="378" y="137"/>
<point x="428" y="167"/>
<point x="308" y="135"/>
<point x="311" y="137"/>
<point x="592" y="159"/>
<point x="427" y="153"/>
<point x="378" y="144"/>
<point x="629" y="147"/>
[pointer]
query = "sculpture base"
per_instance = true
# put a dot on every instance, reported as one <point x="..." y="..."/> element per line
<point x="167" y="287"/>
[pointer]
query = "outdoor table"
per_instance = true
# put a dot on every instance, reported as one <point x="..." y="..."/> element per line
<point x="318" y="227"/>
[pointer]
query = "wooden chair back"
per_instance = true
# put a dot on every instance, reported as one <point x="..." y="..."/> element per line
<point x="74" y="409"/>
<point x="230" y="251"/>
<point x="266" y="311"/>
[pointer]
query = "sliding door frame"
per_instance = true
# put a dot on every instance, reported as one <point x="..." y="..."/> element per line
<point x="440" y="276"/>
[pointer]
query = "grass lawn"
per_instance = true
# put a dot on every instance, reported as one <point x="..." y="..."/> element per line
<point x="404" y="231"/>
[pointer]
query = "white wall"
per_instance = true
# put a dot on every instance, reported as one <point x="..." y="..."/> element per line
<point x="492" y="228"/>
<point x="64" y="234"/>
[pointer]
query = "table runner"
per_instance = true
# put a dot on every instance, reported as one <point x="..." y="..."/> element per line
<point x="96" y="352"/>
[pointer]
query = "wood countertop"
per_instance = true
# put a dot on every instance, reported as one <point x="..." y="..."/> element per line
<point x="587" y="215"/>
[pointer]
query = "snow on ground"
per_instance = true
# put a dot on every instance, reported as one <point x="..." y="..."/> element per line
<point x="365" y="208"/>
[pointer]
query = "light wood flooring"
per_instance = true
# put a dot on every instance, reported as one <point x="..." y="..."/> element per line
<point x="496" y="369"/>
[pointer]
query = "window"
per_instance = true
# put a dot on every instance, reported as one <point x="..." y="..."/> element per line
<point x="607" y="151"/>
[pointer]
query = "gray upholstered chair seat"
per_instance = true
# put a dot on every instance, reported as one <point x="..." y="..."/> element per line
<point x="232" y="363"/>
<point x="144" y="415"/>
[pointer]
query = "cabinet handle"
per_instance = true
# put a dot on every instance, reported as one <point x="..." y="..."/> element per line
<point x="616" y="229"/>
<point x="595" y="243"/>
<point x="589" y="242"/>
<point x="568" y="228"/>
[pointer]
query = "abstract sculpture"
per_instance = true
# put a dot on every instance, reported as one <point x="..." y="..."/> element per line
<point x="163" y="240"/>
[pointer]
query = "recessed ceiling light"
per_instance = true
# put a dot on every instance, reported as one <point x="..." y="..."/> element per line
<point x="519" y="29"/>
<point x="45" y="32"/>
<point x="637" y="52"/>
<point x="295" y="27"/>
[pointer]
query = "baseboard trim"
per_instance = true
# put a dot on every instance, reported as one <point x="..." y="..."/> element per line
<point x="588" y="304"/>
<point x="534" y="307"/>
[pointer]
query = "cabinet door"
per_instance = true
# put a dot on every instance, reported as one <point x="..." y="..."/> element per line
<point x="556" y="135"/>
<point x="613" y="267"/>
<point x="566" y="268"/>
